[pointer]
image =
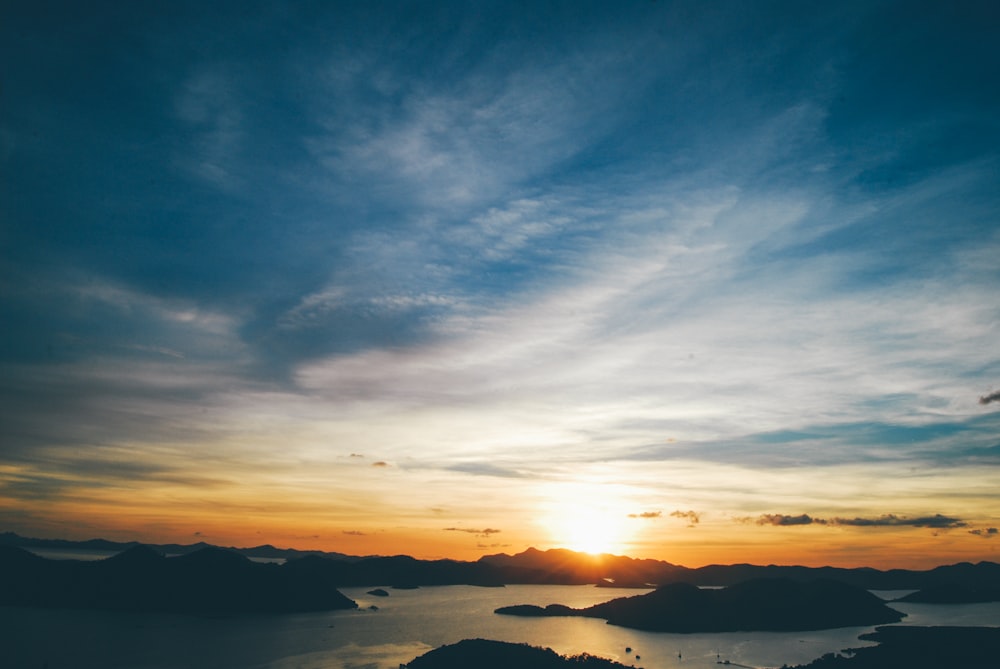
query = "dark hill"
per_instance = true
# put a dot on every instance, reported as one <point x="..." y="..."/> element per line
<point x="211" y="581"/>
<point x="775" y="605"/>
<point x="136" y="556"/>
<point x="398" y="570"/>
<point x="953" y="594"/>
<point x="262" y="551"/>
<point x="560" y="566"/>
<point x="920" y="648"/>
<point x="484" y="654"/>
<point x="565" y="567"/>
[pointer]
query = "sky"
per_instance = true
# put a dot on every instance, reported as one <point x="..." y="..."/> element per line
<point x="708" y="282"/>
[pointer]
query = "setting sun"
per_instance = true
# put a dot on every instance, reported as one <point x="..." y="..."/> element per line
<point x="589" y="518"/>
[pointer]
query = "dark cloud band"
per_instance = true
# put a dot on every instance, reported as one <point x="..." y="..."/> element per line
<point x="991" y="397"/>
<point x="937" y="521"/>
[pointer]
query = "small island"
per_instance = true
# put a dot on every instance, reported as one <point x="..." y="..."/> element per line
<point x="486" y="654"/>
<point x="758" y="605"/>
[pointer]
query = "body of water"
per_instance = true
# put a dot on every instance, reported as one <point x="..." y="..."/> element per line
<point x="405" y="625"/>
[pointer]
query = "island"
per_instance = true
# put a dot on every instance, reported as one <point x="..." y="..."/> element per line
<point x="757" y="605"/>
<point x="487" y="654"/>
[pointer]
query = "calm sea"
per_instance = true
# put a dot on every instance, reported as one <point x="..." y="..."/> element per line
<point x="406" y="624"/>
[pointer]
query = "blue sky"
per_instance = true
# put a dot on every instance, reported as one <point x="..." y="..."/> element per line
<point x="417" y="260"/>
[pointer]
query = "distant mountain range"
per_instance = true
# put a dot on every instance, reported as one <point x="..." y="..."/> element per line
<point x="103" y="545"/>
<point x="556" y="567"/>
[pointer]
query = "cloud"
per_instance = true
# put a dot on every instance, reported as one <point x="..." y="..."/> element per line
<point x="485" y="469"/>
<point x="646" y="514"/>
<point x="502" y="253"/>
<point x="355" y="533"/>
<point x="782" y="520"/>
<point x="483" y="533"/>
<point x="991" y="397"/>
<point x="937" y="521"/>
<point x="986" y="532"/>
<point x="693" y="517"/>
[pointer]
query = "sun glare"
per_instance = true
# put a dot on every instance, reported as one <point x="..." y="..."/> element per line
<point x="586" y="518"/>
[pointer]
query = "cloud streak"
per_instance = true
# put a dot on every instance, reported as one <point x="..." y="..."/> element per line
<point x="484" y="533"/>
<point x="937" y="521"/>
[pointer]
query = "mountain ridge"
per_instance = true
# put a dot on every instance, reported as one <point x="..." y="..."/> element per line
<point x="557" y="566"/>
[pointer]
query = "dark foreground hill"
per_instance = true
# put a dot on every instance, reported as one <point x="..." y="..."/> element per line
<point x="899" y="647"/>
<point x="758" y="605"/>
<point x="484" y="654"/>
<point x="210" y="581"/>
<point x="919" y="648"/>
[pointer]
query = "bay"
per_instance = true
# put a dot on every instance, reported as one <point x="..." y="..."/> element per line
<point x="405" y="625"/>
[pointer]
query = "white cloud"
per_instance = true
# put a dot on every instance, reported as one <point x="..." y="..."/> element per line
<point x="675" y="331"/>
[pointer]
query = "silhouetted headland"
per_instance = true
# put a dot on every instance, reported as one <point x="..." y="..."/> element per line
<point x="758" y="605"/>
<point x="919" y="648"/>
<point x="210" y="581"/>
<point x="485" y="654"/>
<point x="953" y="594"/>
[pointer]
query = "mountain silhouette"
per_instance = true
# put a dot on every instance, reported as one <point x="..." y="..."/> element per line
<point x="532" y="566"/>
<point x="210" y="581"/>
